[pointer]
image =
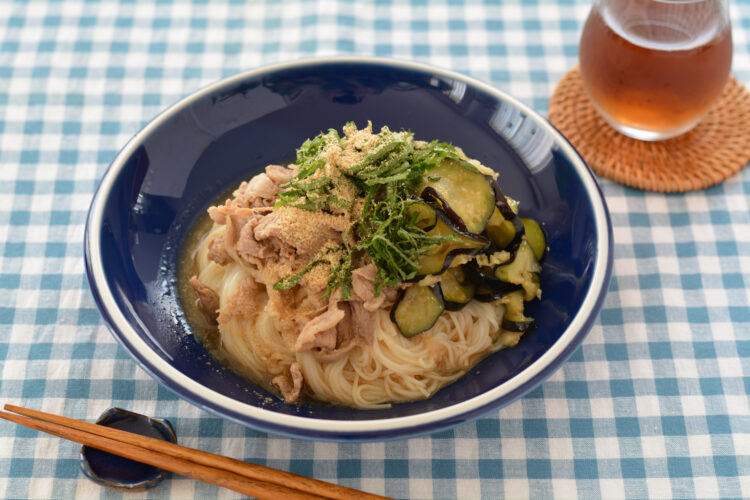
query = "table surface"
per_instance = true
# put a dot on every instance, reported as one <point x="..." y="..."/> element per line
<point x="654" y="403"/>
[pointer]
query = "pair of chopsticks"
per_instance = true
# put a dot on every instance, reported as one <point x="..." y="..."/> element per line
<point x="249" y="479"/>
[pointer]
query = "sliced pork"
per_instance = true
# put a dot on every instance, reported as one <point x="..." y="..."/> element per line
<point x="217" y="252"/>
<point x="262" y="190"/>
<point x="320" y="332"/>
<point x="208" y="300"/>
<point x="303" y="231"/>
<point x="281" y="175"/>
<point x="290" y="385"/>
<point x="335" y="332"/>
<point x="363" y="287"/>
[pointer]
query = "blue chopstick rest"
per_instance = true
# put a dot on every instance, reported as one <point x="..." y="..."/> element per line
<point x="121" y="473"/>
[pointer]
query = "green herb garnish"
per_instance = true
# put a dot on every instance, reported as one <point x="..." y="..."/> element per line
<point x="384" y="178"/>
<point x="316" y="193"/>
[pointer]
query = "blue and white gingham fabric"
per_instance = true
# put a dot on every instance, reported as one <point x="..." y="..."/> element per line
<point x="654" y="404"/>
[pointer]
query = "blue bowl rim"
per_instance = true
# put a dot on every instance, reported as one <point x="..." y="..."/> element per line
<point x="360" y="430"/>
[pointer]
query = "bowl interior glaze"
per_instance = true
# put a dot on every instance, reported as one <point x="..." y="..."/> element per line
<point x="170" y="172"/>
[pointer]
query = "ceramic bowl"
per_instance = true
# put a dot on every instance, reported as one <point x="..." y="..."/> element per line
<point x="169" y="172"/>
<point x="121" y="473"/>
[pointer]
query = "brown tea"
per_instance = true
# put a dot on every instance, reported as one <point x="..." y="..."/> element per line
<point x="654" y="69"/>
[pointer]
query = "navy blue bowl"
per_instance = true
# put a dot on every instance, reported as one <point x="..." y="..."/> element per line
<point x="167" y="175"/>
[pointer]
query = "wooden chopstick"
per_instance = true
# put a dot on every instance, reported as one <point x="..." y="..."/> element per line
<point x="249" y="479"/>
<point x="203" y="473"/>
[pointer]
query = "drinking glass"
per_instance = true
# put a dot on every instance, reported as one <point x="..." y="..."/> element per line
<point x="653" y="68"/>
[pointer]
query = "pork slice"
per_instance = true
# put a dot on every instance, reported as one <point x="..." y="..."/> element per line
<point x="260" y="191"/>
<point x="300" y="230"/>
<point x="290" y="385"/>
<point x="363" y="288"/>
<point x="231" y="235"/>
<point x="345" y="338"/>
<point x="217" y="251"/>
<point x="391" y="294"/>
<point x="208" y="300"/>
<point x="325" y="355"/>
<point x="249" y="248"/>
<point x="263" y="189"/>
<point x="320" y="332"/>
<point x="220" y="213"/>
<point x="280" y="175"/>
<point x="356" y="328"/>
<point x="363" y="282"/>
<point x="269" y="228"/>
<point x="291" y="309"/>
<point x="363" y="323"/>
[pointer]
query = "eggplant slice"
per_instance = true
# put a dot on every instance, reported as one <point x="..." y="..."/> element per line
<point x="489" y="288"/>
<point x="518" y="326"/>
<point x="462" y="192"/>
<point x="502" y="232"/>
<point x="457" y="288"/>
<point x="505" y="235"/>
<point x="439" y="258"/>
<point x="424" y="215"/>
<point x="501" y="201"/>
<point x="514" y="319"/>
<point x="417" y="309"/>
<point x="522" y="270"/>
<point x="458" y="201"/>
<point x="535" y="236"/>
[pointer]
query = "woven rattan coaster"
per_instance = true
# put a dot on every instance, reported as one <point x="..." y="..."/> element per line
<point x="718" y="147"/>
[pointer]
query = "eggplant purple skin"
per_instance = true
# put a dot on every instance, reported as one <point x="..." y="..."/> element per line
<point x="501" y="202"/>
<point x="416" y="198"/>
<point x="516" y="241"/>
<point x="438" y="293"/>
<point x="497" y="288"/>
<point x="455" y="306"/>
<point x="493" y="296"/>
<point x="429" y="193"/>
<point x="452" y="220"/>
<point x="458" y="251"/>
<point x="518" y="326"/>
<point x="546" y="249"/>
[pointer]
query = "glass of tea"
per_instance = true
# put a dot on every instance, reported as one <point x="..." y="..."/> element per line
<point x="653" y="68"/>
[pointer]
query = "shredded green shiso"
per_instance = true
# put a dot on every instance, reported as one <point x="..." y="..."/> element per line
<point x="385" y="178"/>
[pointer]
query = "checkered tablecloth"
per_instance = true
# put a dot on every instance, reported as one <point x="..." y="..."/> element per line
<point x="654" y="404"/>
